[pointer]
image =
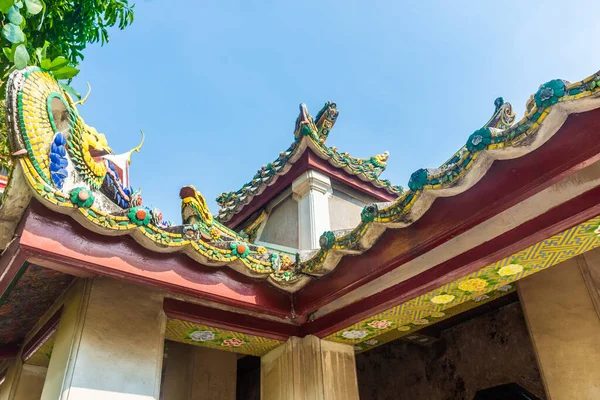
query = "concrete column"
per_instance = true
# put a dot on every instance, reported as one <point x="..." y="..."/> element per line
<point x="565" y="331"/>
<point x="312" y="191"/>
<point x="198" y="373"/>
<point x="31" y="382"/>
<point x="109" y="343"/>
<point x="9" y="386"/>
<point x="309" y="369"/>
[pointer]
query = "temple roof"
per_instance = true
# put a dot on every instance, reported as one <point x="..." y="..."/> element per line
<point x="54" y="162"/>
<point x="308" y="133"/>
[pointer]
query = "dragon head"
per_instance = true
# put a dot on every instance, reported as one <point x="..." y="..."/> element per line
<point x="193" y="207"/>
<point x="93" y="146"/>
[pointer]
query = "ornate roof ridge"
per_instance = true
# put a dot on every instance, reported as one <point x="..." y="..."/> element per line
<point x="313" y="135"/>
<point x="53" y="162"/>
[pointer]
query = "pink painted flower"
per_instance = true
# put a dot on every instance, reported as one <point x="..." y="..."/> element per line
<point x="233" y="342"/>
<point x="382" y="324"/>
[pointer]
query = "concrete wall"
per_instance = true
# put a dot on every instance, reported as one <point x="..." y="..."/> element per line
<point x="486" y="351"/>
<point x="282" y="226"/>
<point x="344" y="211"/>
<point x="345" y="206"/>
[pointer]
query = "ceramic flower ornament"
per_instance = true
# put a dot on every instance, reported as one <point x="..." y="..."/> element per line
<point x="239" y="249"/>
<point x="82" y="197"/>
<point x="139" y="216"/>
<point x="479" y="140"/>
<point x="549" y="93"/>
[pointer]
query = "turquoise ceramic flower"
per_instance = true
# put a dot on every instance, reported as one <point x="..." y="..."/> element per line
<point x="479" y="140"/>
<point x="549" y="93"/>
<point x="368" y="213"/>
<point x="82" y="197"/>
<point x="326" y="240"/>
<point x="418" y="179"/>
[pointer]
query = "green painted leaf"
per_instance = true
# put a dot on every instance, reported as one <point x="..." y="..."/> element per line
<point x="21" y="57"/>
<point x="13" y="33"/>
<point x="5" y="5"/>
<point x="8" y="53"/>
<point x="34" y="6"/>
<point x="15" y="16"/>
<point x="66" y="72"/>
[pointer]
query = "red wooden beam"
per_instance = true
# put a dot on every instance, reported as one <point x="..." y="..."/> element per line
<point x="507" y="183"/>
<point x="57" y="241"/>
<point x="229" y="320"/>
<point x="42" y="335"/>
<point x="556" y="220"/>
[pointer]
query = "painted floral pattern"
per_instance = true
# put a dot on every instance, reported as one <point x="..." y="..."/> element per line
<point x="233" y="342"/>
<point x="381" y="324"/>
<point x="511" y="269"/>
<point x="473" y="285"/>
<point x="354" y="334"/>
<point x="202" y="336"/>
<point x="442" y="299"/>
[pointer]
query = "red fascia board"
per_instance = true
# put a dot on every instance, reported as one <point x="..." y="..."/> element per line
<point x="53" y="239"/>
<point x="505" y="184"/>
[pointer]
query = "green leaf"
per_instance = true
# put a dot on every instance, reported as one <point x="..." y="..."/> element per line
<point x="34" y="6"/>
<point x="5" y="5"/>
<point x="15" y="16"/>
<point x="13" y="33"/>
<point x="69" y="89"/>
<point x="21" y="57"/>
<point x="8" y="53"/>
<point x="45" y="63"/>
<point x="38" y="54"/>
<point x="66" y="72"/>
<point x="58" y="63"/>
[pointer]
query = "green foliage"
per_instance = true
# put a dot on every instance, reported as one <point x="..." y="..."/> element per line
<point x="52" y="35"/>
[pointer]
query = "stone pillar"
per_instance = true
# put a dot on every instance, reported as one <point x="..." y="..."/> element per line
<point x="312" y="191"/>
<point x="9" y="386"/>
<point x="309" y="369"/>
<point x="565" y="330"/>
<point x="198" y="373"/>
<point x="109" y="343"/>
<point x="31" y="382"/>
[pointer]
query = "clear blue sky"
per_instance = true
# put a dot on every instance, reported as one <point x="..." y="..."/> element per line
<point x="216" y="84"/>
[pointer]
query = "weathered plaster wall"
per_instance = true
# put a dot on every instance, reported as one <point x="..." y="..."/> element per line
<point x="344" y="211"/>
<point x="484" y="352"/>
<point x="345" y="206"/>
<point x="282" y="226"/>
